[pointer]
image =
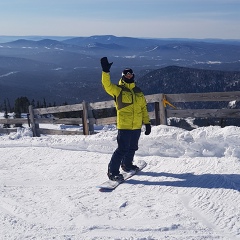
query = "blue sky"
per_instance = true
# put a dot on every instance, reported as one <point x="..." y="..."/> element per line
<point x="132" y="18"/>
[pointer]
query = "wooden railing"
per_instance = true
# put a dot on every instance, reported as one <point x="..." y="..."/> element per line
<point x="159" y="114"/>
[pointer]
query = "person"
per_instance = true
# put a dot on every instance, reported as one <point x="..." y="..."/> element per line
<point x="132" y="113"/>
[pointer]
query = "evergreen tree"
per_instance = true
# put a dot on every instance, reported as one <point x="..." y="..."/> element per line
<point x="9" y="106"/>
<point x="44" y="103"/>
<point x="38" y="104"/>
<point x="6" y="115"/>
<point x="21" y="106"/>
<point x="33" y="103"/>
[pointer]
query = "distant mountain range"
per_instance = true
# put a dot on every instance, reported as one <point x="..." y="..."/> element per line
<point x="62" y="69"/>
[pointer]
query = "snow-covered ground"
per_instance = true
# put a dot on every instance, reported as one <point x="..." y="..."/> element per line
<point x="189" y="189"/>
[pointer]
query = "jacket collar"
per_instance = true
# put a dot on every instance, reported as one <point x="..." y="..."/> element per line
<point x="127" y="85"/>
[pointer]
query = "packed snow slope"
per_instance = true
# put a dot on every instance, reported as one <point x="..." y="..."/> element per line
<point x="189" y="189"/>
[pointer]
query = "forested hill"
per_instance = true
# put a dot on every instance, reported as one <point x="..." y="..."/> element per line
<point x="174" y="79"/>
<point x="171" y="79"/>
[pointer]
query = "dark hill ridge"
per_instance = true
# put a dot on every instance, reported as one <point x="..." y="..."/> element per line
<point x="174" y="79"/>
<point x="74" y="86"/>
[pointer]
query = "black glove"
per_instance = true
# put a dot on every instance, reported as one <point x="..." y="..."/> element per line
<point x="148" y="129"/>
<point x="105" y="64"/>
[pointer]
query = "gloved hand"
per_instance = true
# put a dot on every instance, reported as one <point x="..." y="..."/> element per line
<point x="105" y="64"/>
<point x="148" y="129"/>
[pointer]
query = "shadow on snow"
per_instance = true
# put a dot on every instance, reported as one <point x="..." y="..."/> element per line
<point x="225" y="181"/>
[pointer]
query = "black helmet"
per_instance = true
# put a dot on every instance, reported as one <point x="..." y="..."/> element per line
<point x="125" y="72"/>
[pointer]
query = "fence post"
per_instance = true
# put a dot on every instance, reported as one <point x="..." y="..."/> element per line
<point x="85" y="119"/>
<point x="32" y="121"/>
<point x="157" y="116"/>
<point x="90" y="119"/>
<point x="163" y="117"/>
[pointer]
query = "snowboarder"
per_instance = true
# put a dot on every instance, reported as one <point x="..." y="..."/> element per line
<point x="132" y="113"/>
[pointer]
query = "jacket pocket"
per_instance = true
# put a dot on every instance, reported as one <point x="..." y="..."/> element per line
<point x="127" y="97"/>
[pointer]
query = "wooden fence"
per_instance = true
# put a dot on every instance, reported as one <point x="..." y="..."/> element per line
<point x="159" y="114"/>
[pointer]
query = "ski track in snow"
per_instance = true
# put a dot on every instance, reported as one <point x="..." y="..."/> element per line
<point x="189" y="189"/>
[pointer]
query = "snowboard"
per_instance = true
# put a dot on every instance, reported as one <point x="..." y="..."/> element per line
<point x="110" y="185"/>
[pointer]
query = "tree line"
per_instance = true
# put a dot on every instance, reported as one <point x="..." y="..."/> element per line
<point x="21" y="105"/>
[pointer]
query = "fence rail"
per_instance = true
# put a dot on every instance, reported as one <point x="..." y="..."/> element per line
<point x="159" y="114"/>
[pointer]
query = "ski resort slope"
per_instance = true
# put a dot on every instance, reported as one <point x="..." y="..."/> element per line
<point x="189" y="189"/>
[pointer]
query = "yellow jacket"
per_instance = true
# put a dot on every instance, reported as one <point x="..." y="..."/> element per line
<point x="130" y="103"/>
